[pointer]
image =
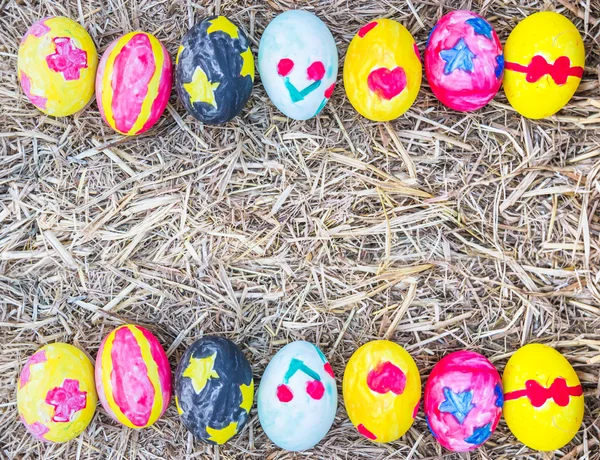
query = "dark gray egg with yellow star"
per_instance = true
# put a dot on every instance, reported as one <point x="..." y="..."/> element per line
<point x="214" y="389"/>
<point x="214" y="70"/>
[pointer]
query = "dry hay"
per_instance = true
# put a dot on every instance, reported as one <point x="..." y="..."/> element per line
<point x="440" y="230"/>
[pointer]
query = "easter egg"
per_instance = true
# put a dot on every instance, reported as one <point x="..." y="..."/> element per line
<point x="214" y="389"/>
<point x="297" y="397"/>
<point x="544" y="60"/>
<point x="463" y="61"/>
<point x="214" y="70"/>
<point x="56" y="396"/>
<point x="463" y="400"/>
<point x="298" y="63"/>
<point x="382" y="390"/>
<point x="134" y="82"/>
<point x="133" y="376"/>
<point x="543" y="398"/>
<point x="382" y="71"/>
<point x="57" y="66"/>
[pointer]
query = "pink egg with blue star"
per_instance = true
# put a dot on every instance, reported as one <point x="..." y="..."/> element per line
<point x="464" y="63"/>
<point x="463" y="400"/>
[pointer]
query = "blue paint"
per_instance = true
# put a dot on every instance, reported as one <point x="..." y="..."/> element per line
<point x="500" y="65"/>
<point x="429" y="36"/>
<point x="297" y="365"/>
<point x="297" y="95"/>
<point x="458" y="57"/>
<point x="457" y="404"/>
<point x="429" y="426"/>
<point x="481" y="27"/>
<point x="499" y="396"/>
<point x="480" y="435"/>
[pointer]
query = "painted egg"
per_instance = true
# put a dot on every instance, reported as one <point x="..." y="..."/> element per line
<point x="543" y="398"/>
<point x="463" y="61"/>
<point x="134" y="82"/>
<point x="298" y="63"/>
<point x="56" y="396"/>
<point x="214" y="389"/>
<point x="133" y="376"/>
<point x="215" y="70"/>
<point x="297" y="397"/>
<point x="382" y="71"/>
<point x="57" y="66"/>
<point x="544" y="61"/>
<point x="382" y="390"/>
<point x="463" y="400"/>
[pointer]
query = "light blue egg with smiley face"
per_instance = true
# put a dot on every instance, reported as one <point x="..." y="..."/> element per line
<point x="297" y="397"/>
<point x="298" y="63"/>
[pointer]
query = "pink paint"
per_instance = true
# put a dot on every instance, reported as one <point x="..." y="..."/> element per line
<point x="417" y="52"/>
<point x="364" y="30"/>
<point x="162" y="363"/>
<point x="560" y="71"/>
<point x="315" y="389"/>
<point x="37" y="429"/>
<point x="37" y="358"/>
<point x="559" y="392"/>
<point x="285" y="66"/>
<point x="329" y="91"/>
<point x="385" y="378"/>
<point x="284" y="394"/>
<point x="416" y="409"/>
<point x="38" y="29"/>
<point x="38" y="101"/>
<point x="329" y="370"/>
<point x="67" y="400"/>
<point x="462" y="90"/>
<point x="366" y="433"/>
<point x="315" y="71"/>
<point x="386" y="83"/>
<point x="164" y="92"/>
<point x="68" y="59"/>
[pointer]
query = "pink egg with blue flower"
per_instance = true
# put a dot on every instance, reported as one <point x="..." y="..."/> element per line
<point x="463" y="400"/>
<point x="464" y="63"/>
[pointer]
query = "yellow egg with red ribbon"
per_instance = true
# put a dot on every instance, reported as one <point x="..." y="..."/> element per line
<point x="543" y="398"/>
<point x="57" y="66"/>
<point x="544" y="58"/>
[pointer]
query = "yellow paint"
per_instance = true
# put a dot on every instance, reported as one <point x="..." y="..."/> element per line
<point x="222" y="24"/>
<point x="64" y="97"/>
<point x="223" y="435"/>
<point x="550" y="35"/>
<point x="179" y="51"/>
<point x="247" y="64"/>
<point x="63" y="361"/>
<point x="179" y="409"/>
<point x="388" y="416"/>
<point x="550" y="426"/>
<point x="247" y="396"/>
<point x="388" y="45"/>
<point x="107" y="90"/>
<point x="200" y="89"/>
<point x="200" y="371"/>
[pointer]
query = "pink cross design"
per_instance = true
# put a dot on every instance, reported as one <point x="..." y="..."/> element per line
<point x="66" y="399"/>
<point x="68" y="59"/>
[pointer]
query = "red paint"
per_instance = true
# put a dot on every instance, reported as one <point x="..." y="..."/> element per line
<point x="329" y="370"/>
<point x="315" y="389"/>
<point x="387" y="377"/>
<point x="416" y="410"/>
<point x="36" y="358"/>
<point x="387" y="84"/>
<point x="38" y="101"/>
<point x="364" y="30"/>
<point x="315" y="71"/>
<point x="284" y="394"/>
<point x="560" y="71"/>
<point x="538" y="395"/>
<point x="37" y="429"/>
<point x="162" y="363"/>
<point x="164" y="92"/>
<point x="417" y="52"/>
<point x="68" y="59"/>
<point x="329" y="91"/>
<point x="366" y="433"/>
<point x="67" y="399"/>
<point x="131" y="387"/>
<point x="285" y="66"/>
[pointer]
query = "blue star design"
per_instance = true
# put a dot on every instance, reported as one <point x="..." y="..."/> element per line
<point x="480" y="435"/>
<point x="500" y="65"/>
<point x="459" y="57"/>
<point x="457" y="404"/>
<point x="429" y="36"/>
<point x="481" y="27"/>
<point x="499" y="396"/>
<point x="429" y="426"/>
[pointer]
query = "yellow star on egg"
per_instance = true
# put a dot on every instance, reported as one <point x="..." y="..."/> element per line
<point x="200" y="371"/>
<point x="247" y="396"/>
<point x="200" y="89"/>
<point x="247" y="64"/>
<point x="179" y="51"/>
<point x="179" y="409"/>
<point x="224" y="434"/>
<point x="222" y="24"/>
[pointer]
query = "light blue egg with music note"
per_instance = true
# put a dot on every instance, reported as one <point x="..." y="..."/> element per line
<point x="297" y="397"/>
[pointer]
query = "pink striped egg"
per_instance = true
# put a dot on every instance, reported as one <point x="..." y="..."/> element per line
<point x="133" y="376"/>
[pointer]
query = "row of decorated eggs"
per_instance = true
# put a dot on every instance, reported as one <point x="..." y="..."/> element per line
<point x="541" y="67"/>
<point x="540" y="393"/>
